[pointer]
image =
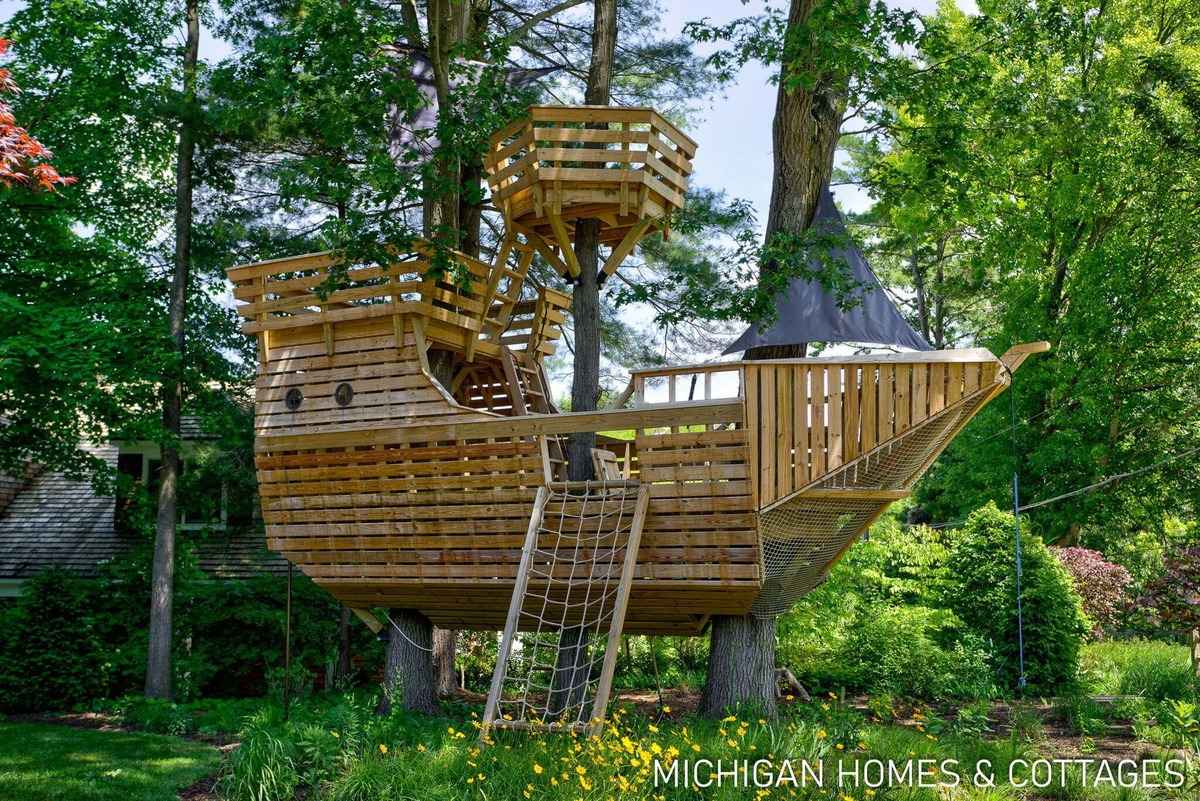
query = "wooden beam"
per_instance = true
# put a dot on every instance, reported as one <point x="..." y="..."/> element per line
<point x="1015" y="356"/>
<point x="564" y="244"/>
<point x="366" y="617"/>
<point x="727" y="410"/>
<point x="624" y="248"/>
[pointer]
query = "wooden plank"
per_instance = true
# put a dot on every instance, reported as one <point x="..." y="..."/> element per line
<point x="620" y="605"/>
<point x="937" y="388"/>
<point x="903" y="375"/>
<point x="920" y="397"/>
<point x="870" y="406"/>
<point x="836" y="453"/>
<point x="564" y="244"/>
<point x="691" y="413"/>
<point x="887" y="403"/>
<point x="514" y="610"/>
<point x="799" y="403"/>
<point x="853" y="416"/>
<point x="954" y="389"/>
<point x="816" y="421"/>
<point x="785" y="440"/>
<point x="767" y="421"/>
<point x="752" y="417"/>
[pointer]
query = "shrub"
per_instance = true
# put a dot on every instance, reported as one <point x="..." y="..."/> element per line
<point x="1101" y="584"/>
<point x="51" y="657"/>
<point x="982" y="591"/>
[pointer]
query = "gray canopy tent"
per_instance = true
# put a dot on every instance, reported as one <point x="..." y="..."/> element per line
<point x="807" y="312"/>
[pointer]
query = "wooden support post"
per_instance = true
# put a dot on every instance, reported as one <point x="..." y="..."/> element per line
<point x="514" y="611"/>
<point x="600" y="702"/>
<point x="564" y="243"/>
<point x="622" y="250"/>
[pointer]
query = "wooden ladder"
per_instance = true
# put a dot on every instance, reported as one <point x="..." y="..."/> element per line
<point x="529" y="603"/>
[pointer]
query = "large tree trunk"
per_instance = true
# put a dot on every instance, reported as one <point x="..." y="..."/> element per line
<point x="805" y="132"/>
<point x="569" y="674"/>
<point x="741" y="666"/>
<point x="585" y="299"/>
<point x="408" y="671"/>
<point x="804" y="135"/>
<point x="162" y="582"/>
<point x="443" y="661"/>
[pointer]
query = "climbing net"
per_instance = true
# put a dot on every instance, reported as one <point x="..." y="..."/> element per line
<point x="579" y="555"/>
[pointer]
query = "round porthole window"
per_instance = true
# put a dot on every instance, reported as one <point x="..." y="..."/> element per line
<point x="343" y="394"/>
<point x="293" y="399"/>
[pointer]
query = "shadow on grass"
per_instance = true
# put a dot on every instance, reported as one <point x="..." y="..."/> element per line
<point x="43" y="762"/>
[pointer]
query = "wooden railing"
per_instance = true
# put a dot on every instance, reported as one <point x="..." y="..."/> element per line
<point x="808" y="417"/>
<point x="298" y="291"/>
<point x="550" y="149"/>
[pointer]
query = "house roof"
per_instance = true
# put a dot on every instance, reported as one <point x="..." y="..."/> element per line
<point x="53" y="521"/>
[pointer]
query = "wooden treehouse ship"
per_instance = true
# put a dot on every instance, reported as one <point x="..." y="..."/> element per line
<point x="409" y="454"/>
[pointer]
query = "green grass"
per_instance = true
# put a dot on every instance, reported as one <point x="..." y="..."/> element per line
<point x="1153" y="670"/>
<point x="44" y="762"/>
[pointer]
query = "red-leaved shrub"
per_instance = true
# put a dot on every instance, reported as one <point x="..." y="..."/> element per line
<point x="1101" y="585"/>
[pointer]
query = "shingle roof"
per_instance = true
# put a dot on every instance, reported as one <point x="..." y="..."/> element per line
<point x="56" y="521"/>
<point x="237" y="554"/>
<point x="51" y="521"/>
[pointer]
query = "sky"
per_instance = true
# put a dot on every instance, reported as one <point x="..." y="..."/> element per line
<point x="733" y="129"/>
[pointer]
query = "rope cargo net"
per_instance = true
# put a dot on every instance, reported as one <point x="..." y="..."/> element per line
<point x="568" y="607"/>
<point x="803" y="537"/>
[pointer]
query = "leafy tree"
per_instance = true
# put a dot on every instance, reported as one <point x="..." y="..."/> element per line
<point x="1054" y="154"/>
<point x="1171" y="599"/>
<point x="1102" y="586"/>
<point x="981" y="590"/>
<point x="23" y="159"/>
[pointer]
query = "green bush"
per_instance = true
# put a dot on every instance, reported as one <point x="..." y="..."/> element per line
<point x="51" y="655"/>
<point x="981" y="589"/>
<point x="877" y="624"/>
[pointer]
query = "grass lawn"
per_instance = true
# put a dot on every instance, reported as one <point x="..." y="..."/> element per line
<point x="46" y="762"/>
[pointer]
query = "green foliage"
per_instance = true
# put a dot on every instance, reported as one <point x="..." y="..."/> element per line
<point x="878" y="624"/>
<point x="263" y="768"/>
<point x="51" y="652"/>
<point x="982" y="592"/>
<point x="1156" y="671"/>
<point x="67" y="640"/>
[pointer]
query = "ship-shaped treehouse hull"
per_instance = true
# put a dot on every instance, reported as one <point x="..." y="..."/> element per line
<point x="392" y="488"/>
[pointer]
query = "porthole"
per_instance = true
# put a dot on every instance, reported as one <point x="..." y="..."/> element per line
<point x="293" y="399"/>
<point x="343" y="394"/>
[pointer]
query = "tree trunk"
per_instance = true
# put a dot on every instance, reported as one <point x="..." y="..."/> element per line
<point x="741" y="666"/>
<point x="162" y="586"/>
<point x="408" y="672"/>
<point x="571" y="665"/>
<point x="443" y="661"/>
<point x="571" y="671"/>
<point x="585" y="299"/>
<point x="805" y="132"/>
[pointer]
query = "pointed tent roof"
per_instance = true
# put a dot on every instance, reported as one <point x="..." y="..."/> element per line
<point x="807" y="312"/>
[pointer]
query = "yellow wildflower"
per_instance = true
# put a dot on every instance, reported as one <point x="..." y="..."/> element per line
<point x="822" y="734"/>
<point x="666" y="710"/>
<point x="382" y="748"/>
<point x="537" y="768"/>
<point x="653" y="728"/>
